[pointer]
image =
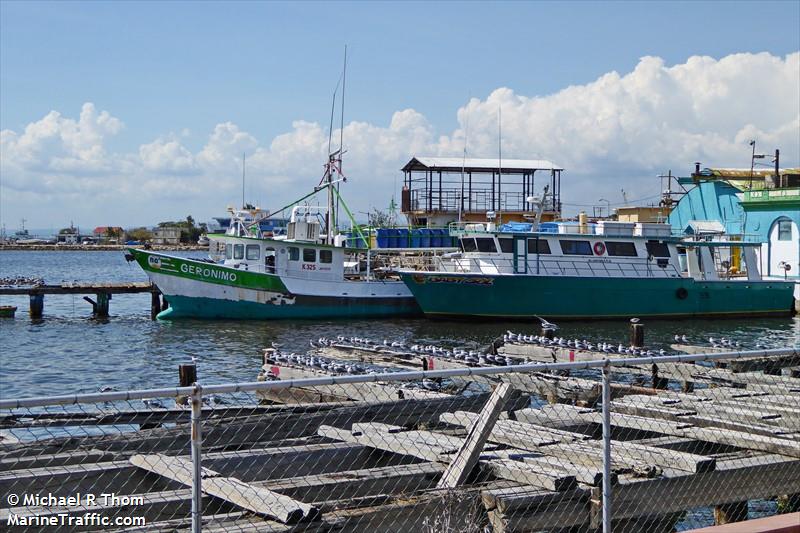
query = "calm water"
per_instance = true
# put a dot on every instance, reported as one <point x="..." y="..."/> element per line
<point x="67" y="352"/>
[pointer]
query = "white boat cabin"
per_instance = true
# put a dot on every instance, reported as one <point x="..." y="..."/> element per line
<point x="609" y="250"/>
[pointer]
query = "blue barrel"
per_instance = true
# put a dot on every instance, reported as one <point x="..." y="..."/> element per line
<point x="354" y="241"/>
<point x="384" y="237"/>
<point x="436" y="238"/>
<point x="415" y="238"/>
<point x="425" y="238"/>
<point x="402" y="238"/>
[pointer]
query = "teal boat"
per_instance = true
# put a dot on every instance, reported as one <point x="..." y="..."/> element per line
<point x="612" y="270"/>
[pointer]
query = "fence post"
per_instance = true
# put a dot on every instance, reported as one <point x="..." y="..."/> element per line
<point x="197" y="495"/>
<point x="606" y="393"/>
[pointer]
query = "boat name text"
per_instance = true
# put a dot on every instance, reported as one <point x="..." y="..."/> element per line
<point x="208" y="272"/>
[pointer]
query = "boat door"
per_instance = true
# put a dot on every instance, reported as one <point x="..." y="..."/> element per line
<point x="520" y="256"/>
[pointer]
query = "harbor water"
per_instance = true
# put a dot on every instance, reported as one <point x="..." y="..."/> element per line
<point x="68" y="352"/>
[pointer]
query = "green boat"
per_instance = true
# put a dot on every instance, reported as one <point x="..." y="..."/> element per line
<point x="612" y="270"/>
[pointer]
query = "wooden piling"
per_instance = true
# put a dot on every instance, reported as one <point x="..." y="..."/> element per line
<point x="101" y="309"/>
<point x="730" y="512"/>
<point x="637" y="334"/>
<point x="187" y="374"/>
<point x="37" y="305"/>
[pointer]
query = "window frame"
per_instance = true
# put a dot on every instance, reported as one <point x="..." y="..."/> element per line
<point x="294" y="253"/>
<point x="479" y="240"/>
<point x="238" y="252"/>
<point x="249" y="248"/>
<point x="613" y="248"/>
<point x="652" y="244"/>
<point x="326" y="256"/>
<point x="461" y="242"/>
<point x="784" y="225"/>
<point x="533" y="248"/>
<point x="586" y="251"/>
<point x="313" y="255"/>
<point x="228" y="251"/>
<point x="510" y="242"/>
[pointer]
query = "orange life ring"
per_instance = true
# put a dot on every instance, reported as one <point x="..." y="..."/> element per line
<point x="599" y="248"/>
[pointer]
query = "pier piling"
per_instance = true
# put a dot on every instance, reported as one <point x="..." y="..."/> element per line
<point x="637" y="334"/>
<point x="37" y="305"/>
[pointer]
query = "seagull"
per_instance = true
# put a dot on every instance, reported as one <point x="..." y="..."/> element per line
<point x="684" y="339"/>
<point x="153" y="404"/>
<point x="546" y="324"/>
<point x="277" y="346"/>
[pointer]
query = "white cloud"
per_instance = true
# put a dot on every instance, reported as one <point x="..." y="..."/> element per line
<point x="615" y="132"/>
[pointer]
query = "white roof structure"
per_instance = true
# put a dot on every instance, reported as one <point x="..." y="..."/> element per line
<point x="457" y="163"/>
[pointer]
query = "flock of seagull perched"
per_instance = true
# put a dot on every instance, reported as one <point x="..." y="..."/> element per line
<point x="578" y="344"/>
<point x="19" y="281"/>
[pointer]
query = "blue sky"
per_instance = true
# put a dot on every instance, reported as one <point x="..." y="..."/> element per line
<point x="178" y="69"/>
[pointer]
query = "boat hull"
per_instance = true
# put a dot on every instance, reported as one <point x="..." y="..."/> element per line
<point x="521" y="296"/>
<point x="197" y="289"/>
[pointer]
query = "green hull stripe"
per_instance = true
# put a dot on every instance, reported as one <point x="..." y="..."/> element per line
<point x="201" y="271"/>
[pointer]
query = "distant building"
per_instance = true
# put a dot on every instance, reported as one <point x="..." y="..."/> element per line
<point x="108" y="233"/>
<point x="436" y="190"/>
<point x="167" y="235"/>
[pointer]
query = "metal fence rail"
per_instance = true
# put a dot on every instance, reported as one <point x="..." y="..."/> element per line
<point x="622" y="444"/>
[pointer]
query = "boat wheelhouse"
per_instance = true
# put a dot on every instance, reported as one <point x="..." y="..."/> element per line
<point x="613" y="269"/>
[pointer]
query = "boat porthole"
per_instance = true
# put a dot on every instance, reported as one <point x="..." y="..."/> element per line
<point x="681" y="293"/>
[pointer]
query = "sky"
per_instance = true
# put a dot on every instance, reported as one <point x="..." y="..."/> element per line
<point x="131" y="113"/>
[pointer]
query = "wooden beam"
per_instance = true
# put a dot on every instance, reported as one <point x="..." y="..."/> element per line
<point x="250" y="497"/>
<point x="467" y="457"/>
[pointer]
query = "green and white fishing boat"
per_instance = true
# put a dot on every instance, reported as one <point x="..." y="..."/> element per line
<point x="611" y="270"/>
<point x="308" y="273"/>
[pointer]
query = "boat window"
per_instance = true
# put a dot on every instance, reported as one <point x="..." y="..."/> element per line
<point x="621" y="249"/>
<point x="325" y="256"/>
<point x="538" y="246"/>
<point x="506" y="245"/>
<point x="228" y="251"/>
<point x="467" y="245"/>
<point x="238" y="251"/>
<point x="253" y="252"/>
<point x="657" y="249"/>
<point x="309" y="255"/>
<point x="486" y="245"/>
<point x="575" y="247"/>
<point x="784" y="230"/>
<point x="294" y="254"/>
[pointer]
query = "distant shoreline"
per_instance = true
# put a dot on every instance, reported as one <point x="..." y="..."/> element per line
<point x="97" y="247"/>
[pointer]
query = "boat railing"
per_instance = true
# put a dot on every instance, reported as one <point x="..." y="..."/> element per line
<point x="549" y="266"/>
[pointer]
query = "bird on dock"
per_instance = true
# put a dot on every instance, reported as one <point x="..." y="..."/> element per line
<point x="677" y="338"/>
<point x="153" y="403"/>
<point x="684" y="339"/>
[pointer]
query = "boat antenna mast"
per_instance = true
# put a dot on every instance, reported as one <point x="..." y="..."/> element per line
<point x="334" y="163"/>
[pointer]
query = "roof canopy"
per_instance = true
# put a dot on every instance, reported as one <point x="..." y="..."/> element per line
<point x="745" y="173"/>
<point x="456" y="164"/>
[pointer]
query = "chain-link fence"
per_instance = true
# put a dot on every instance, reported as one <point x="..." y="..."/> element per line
<point x="633" y="444"/>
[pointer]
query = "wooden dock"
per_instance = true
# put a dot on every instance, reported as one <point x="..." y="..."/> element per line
<point x="103" y="293"/>
<point x="366" y="460"/>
